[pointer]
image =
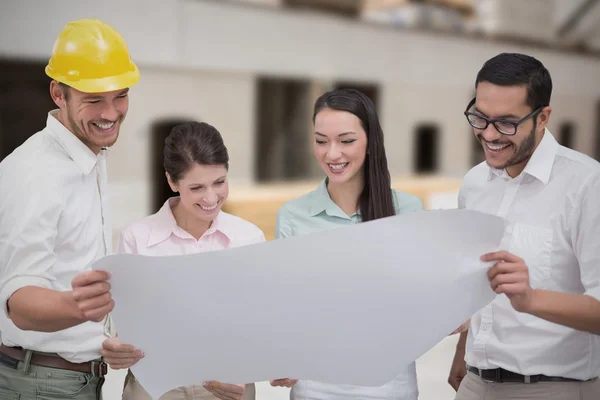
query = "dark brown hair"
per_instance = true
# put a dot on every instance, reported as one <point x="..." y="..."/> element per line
<point x="193" y="143"/>
<point x="65" y="89"/>
<point x="376" y="199"/>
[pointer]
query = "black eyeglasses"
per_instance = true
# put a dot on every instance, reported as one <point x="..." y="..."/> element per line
<point x="504" y="127"/>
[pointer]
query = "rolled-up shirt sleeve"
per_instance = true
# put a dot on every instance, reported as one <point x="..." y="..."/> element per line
<point x="586" y="237"/>
<point x="29" y="217"/>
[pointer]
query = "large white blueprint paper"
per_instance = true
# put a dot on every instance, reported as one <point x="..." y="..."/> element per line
<point x="353" y="305"/>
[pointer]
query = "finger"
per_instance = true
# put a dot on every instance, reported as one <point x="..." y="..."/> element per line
<point x="224" y="391"/>
<point x="88" y="277"/>
<point x="516" y="277"/>
<point x="119" y="348"/>
<point x="122" y="356"/>
<point x="97" y="315"/>
<point x="227" y="387"/>
<point x="111" y="344"/>
<point x="500" y="256"/>
<point x="288" y="383"/>
<point x="508" y="279"/>
<point x="126" y="361"/>
<point x="90" y="291"/>
<point x="503" y="268"/>
<point x="510" y="289"/>
<point x="499" y="268"/>
<point x="136" y="354"/>
<point x="95" y="303"/>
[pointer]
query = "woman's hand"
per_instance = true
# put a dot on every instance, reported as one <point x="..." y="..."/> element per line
<point x="285" y="382"/>
<point x="225" y="391"/>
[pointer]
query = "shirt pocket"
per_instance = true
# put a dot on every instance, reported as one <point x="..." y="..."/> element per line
<point x="534" y="245"/>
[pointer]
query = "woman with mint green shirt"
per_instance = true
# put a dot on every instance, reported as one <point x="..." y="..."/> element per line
<point x="349" y="147"/>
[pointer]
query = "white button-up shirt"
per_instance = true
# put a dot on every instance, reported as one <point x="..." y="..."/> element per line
<point x="54" y="224"/>
<point x="553" y="210"/>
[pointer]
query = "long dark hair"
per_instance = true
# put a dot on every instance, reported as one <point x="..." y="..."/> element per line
<point x="193" y="143"/>
<point x="376" y="199"/>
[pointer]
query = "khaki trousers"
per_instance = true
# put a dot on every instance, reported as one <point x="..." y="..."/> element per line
<point x="133" y="390"/>
<point x="23" y="381"/>
<point x="474" y="388"/>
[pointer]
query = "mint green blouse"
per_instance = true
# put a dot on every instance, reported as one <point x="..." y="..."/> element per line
<point x="315" y="211"/>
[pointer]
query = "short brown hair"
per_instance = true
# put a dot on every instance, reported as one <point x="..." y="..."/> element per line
<point x="65" y="89"/>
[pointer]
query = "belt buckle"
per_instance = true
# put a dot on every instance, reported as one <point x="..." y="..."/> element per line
<point x="102" y="367"/>
<point x="498" y="375"/>
<point x="483" y="379"/>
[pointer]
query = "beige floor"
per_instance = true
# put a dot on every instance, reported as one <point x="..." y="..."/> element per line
<point x="432" y="371"/>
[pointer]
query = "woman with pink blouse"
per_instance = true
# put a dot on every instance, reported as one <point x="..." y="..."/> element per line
<point x="196" y="163"/>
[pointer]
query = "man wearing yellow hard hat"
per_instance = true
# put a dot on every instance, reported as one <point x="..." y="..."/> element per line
<point x="55" y="222"/>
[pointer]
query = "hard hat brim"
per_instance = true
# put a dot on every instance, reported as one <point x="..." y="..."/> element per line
<point x="98" y="85"/>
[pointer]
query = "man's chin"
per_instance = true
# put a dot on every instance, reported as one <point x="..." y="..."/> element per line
<point x="108" y="142"/>
<point x="496" y="164"/>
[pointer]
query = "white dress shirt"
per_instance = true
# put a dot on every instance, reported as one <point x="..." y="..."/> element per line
<point x="54" y="224"/>
<point x="553" y="210"/>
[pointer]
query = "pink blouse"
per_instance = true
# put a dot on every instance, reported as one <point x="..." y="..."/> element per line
<point x="159" y="235"/>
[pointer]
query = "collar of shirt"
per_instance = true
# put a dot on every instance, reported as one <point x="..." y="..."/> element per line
<point x="323" y="203"/>
<point x="83" y="157"/>
<point x="539" y="165"/>
<point x="164" y="224"/>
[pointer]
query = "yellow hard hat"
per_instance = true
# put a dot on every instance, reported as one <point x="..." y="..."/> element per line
<point x="92" y="57"/>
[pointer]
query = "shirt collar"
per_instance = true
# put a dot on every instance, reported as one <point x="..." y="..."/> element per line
<point x="223" y="225"/>
<point x="541" y="162"/>
<point x="164" y="225"/>
<point x="322" y="203"/>
<point x="83" y="157"/>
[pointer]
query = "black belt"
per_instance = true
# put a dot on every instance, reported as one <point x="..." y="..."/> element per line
<point x="500" y="375"/>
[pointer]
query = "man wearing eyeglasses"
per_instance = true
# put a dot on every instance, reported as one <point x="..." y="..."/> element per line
<point x="540" y="337"/>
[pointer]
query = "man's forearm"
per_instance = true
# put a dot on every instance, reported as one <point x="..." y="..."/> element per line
<point x="577" y="311"/>
<point x="39" y="309"/>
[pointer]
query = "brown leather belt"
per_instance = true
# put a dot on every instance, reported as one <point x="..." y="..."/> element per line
<point x="96" y="368"/>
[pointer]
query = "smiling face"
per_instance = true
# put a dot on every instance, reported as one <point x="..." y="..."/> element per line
<point x="340" y="145"/>
<point x="203" y="189"/>
<point x="508" y="103"/>
<point x="95" y="118"/>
